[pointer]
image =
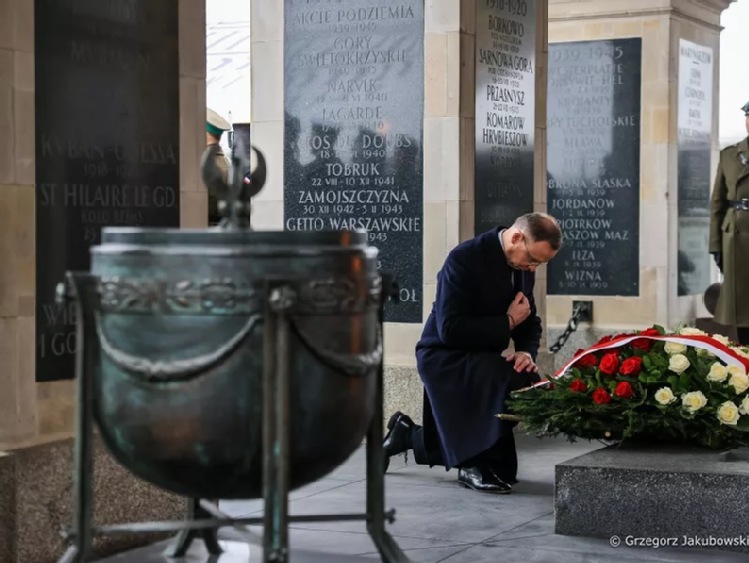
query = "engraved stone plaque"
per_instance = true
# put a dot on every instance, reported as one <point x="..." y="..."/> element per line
<point x="594" y="166"/>
<point x="353" y="128"/>
<point x="505" y="111"/>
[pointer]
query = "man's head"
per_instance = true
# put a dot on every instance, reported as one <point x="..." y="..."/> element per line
<point x="745" y="109"/>
<point x="215" y="125"/>
<point x="534" y="239"/>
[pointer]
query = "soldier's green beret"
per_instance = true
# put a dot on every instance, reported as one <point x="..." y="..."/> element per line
<point x="215" y="124"/>
<point x="745" y="109"/>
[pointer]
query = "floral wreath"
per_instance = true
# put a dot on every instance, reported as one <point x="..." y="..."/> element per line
<point x="686" y="387"/>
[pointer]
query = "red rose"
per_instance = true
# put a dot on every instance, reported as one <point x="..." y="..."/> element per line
<point x="624" y="390"/>
<point x="578" y="386"/>
<point x="644" y="344"/>
<point x="605" y="339"/>
<point x="609" y="364"/>
<point x="631" y="367"/>
<point x="589" y="361"/>
<point x="601" y="396"/>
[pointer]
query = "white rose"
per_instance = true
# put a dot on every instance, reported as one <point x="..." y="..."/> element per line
<point x="691" y="331"/>
<point x="722" y="339"/>
<point x="744" y="408"/>
<point x="693" y="401"/>
<point x="672" y="348"/>
<point x="718" y="372"/>
<point x="736" y="370"/>
<point x="728" y="413"/>
<point x="739" y="381"/>
<point x="678" y="363"/>
<point x="665" y="396"/>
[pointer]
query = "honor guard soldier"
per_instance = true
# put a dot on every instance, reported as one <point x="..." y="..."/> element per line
<point x="215" y="126"/>
<point x="729" y="234"/>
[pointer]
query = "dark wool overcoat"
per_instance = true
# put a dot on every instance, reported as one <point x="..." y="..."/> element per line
<point x="459" y="356"/>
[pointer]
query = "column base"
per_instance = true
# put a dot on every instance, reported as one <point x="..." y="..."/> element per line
<point x="36" y="486"/>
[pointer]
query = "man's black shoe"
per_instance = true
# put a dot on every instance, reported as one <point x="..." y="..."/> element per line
<point x="483" y="480"/>
<point x="503" y="477"/>
<point x="398" y="438"/>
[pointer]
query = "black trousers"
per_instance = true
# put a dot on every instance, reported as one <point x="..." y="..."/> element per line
<point x="742" y="334"/>
<point x="501" y="457"/>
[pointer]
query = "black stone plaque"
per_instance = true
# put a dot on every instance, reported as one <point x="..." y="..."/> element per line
<point x="354" y="105"/>
<point x="505" y="111"/>
<point x="107" y="143"/>
<point x="695" y="121"/>
<point x="594" y="165"/>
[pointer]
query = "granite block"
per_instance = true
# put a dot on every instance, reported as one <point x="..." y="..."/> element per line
<point x="36" y="503"/>
<point x="7" y="506"/>
<point x="403" y="391"/>
<point x="656" y="492"/>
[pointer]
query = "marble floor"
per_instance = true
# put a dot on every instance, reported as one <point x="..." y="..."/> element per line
<point x="436" y="520"/>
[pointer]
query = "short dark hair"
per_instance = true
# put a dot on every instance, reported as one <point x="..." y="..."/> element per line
<point x="541" y="227"/>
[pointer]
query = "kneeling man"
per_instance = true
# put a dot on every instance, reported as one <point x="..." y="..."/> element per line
<point x="484" y="299"/>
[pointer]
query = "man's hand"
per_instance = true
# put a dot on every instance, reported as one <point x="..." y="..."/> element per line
<point x="523" y="362"/>
<point x="519" y="309"/>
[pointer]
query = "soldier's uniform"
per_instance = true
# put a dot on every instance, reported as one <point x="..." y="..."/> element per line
<point x="216" y="126"/>
<point x="729" y="234"/>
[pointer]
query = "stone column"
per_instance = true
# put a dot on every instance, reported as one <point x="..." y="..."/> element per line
<point x="660" y="25"/>
<point x="192" y="109"/>
<point x="36" y="419"/>
<point x="545" y="359"/>
<point x="18" y="414"/>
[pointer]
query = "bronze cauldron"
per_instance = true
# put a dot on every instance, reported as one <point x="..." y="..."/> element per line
<point x="177" y="382"/>
<point x="227" y="363"/>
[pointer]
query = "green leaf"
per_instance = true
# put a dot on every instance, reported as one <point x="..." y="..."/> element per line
<point x="743" y="424"/>
<point x="685" y="381"/>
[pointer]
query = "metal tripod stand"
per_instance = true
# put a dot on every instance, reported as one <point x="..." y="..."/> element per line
<point x="204" y="519"/>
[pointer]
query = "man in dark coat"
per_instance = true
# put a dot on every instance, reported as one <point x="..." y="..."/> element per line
<point x="484" y="299"/>
<point x="729" y="232"/>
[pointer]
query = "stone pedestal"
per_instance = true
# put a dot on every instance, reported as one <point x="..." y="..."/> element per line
<point x="658" y="493"/>
<point x="36" y="503"/>
<point x="669" y="287"/>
